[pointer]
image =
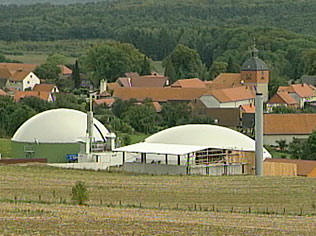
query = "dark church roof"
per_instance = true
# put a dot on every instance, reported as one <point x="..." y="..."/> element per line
<point x="254" y="64"/>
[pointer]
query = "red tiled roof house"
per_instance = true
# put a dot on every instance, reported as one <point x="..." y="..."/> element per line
<point x="287" y="126"/>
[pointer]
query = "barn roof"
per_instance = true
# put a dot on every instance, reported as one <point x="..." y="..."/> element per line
<point x="294" y="123"/>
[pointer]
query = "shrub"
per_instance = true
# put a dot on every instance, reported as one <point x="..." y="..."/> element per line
<point x="80" y="193"/>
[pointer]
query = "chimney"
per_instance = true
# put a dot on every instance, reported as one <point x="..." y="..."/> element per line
<point x="103" y="85"/>
<point x="259" y="134"/>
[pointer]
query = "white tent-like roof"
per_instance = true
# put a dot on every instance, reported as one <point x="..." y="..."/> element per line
<point x="58" y="126"/>
<point x="161" y="148"/>
<point x="185" y="139"/>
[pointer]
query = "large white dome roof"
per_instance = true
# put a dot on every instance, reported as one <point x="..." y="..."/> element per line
<point x="205" y="135"/>
<point x="58" y="126"/>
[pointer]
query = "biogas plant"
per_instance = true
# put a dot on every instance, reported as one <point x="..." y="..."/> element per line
<point x="65" y="135"/>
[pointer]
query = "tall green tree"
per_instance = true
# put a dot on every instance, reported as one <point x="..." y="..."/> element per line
<point x="186" y="61"/>
<point x="76" y="75"/>
<point x="37" y="104"/>
<point x="310" y="150"/>
<point x="111" y="60"/>
<point x="119" y="107"/>
<point x="145" y="69"/>
<point x="231" y="66"/>
<point x="142" y="117"/>
<point x="170" y="71"/>
<point x="175" y="113"/>
<point x="217" y="68"/>
<point x="48" y="71"/>
<point x="51" y="68"/>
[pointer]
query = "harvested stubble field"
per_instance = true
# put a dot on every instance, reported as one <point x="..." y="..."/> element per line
<point x="36" y="200"/>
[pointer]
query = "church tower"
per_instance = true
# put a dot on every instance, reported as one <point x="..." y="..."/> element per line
<point x="254" y="72"/>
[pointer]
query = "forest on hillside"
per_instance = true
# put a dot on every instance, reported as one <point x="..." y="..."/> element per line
<point x="220" y="31"/>
<point x="103" y="19"/>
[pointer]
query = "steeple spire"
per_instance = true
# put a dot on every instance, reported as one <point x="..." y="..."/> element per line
<point x="254" y="50"/>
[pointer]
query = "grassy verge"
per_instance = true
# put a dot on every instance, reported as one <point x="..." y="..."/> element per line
<point x="39" y="219"/>
<point x="5" y="147"/>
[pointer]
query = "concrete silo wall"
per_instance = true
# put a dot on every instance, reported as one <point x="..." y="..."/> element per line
<point x="54" y="153"/>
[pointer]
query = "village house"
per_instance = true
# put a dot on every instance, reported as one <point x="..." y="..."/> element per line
<point x="51" y="88"/>
<point x="18" y="76"/>
<point x="228" y="117"/>
<point x="282" y="98"/>
<point x="22" y="80"/>
<point x="229" y="97"/>
<point x="134" y="80"/>
<point x="159" y="94"/>
<point x="46" y="96"/>
<point x="302" y="93"/>
<point x="107" y="102"/>
<point x="189" y="83"/>
<point x="65" y="71"/>
<point x="278" y="127"/>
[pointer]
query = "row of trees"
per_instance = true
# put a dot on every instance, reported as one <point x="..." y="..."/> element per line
<point x="129" y="117"/>
<point x="300" y="148"/>
<point x="12" y="114"/>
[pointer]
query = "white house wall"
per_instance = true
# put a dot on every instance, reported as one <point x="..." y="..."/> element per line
<point x="211" y="102"/>
<point x="236" y="104"/>
<point x="30" y="81"/>
<point x="272" y="139"/>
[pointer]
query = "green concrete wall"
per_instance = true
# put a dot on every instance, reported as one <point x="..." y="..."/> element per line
<point x="54" y="153"/>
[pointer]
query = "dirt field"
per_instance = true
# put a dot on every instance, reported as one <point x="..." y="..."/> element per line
<point x="36" y="200"/>
<point x="34" y="219"/>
